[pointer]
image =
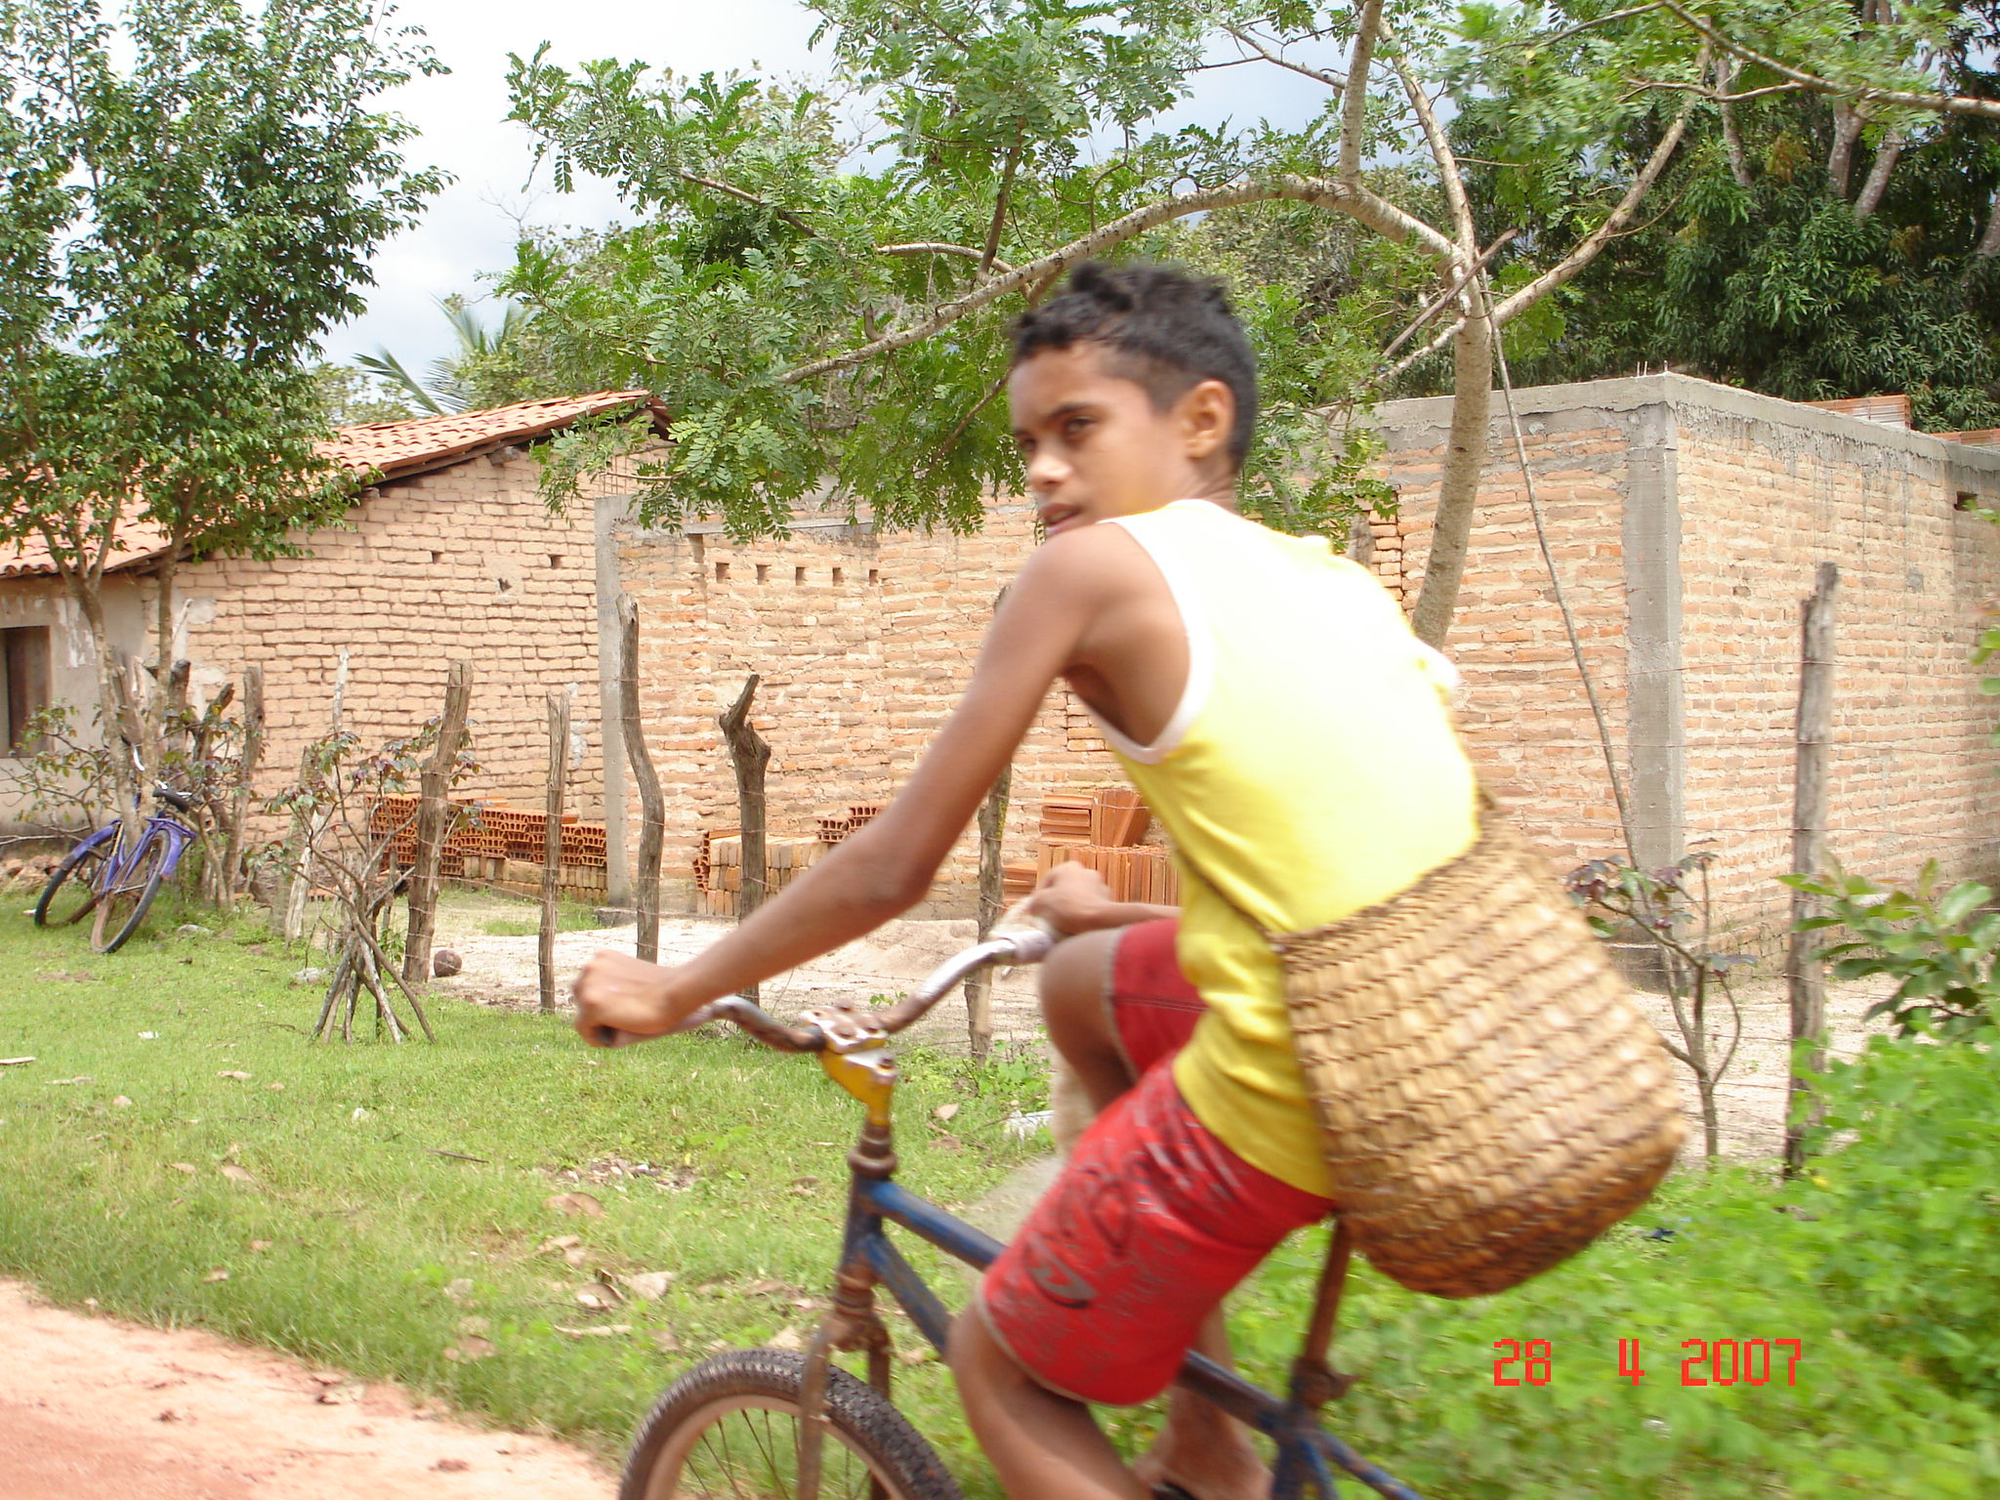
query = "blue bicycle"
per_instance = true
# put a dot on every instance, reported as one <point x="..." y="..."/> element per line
<point x="114" y="880"/>
<point x="777" y="1424"/>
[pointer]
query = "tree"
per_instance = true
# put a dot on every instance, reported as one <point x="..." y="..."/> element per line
<point x="190" y="201"/>
<point x="813" y="307"/>
<point x="1809" y="245"/>
<point x="461" y="381"/>
<point x="352" y="397"/>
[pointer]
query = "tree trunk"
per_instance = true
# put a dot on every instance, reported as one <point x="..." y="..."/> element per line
<point x="992" y="900"/>
<point x="119" y="719"/>
<point x="1732" y="137"/>
<point x="246" y="781"/>
<point x="1848" y="123"/>
<point x="1803" y="979"/>
<point x="1465" y="457"/>
<point x="545" y="949"/>
<point x="1878" y="175"/>
<point x="308" y="837"/>
<point x="652" y="805"/>
<point x="750" y="755"/>
<point x="1989" y="239"/>
<point x="432" y="806"/>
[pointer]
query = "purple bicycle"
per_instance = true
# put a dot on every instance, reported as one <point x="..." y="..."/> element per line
<point x="114" y="879"/>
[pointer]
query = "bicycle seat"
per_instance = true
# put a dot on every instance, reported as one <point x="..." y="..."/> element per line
<point x="178" y="801"/>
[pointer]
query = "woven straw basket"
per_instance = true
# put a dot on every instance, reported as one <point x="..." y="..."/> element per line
<point x="1491" y="1098"/>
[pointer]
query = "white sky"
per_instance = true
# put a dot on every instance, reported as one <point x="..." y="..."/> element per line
<point x="470" y="227"/>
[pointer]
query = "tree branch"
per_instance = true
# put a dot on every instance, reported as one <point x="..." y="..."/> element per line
<point x="1358" y="203"/>
<point x="989" y="257"/>
<point x="1319" y="75"/>
<point x="1587" y="250"/>
<point x="1989" y="239"/>
<point x="1703" y="91"/>
<point x="1877" y="185"/>
<point x="1354" y="101"/>
<point x="932" y="247"/>
<point x="1939" y="103"/>
<point x="730" y="190"/>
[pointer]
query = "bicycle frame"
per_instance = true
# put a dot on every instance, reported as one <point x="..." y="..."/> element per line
<point x="118" y="863"/>
<point x="853" y="1057"/>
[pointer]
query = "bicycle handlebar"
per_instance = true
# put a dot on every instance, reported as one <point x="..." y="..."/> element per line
<point x="1026" y="945"/>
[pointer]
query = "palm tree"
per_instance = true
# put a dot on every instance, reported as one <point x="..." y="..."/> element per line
<point x="445" y="390"/>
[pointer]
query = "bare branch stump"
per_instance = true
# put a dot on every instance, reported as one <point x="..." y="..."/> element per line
<point x="750" y="755"/>
<point x="545" y="950"/>
<point x="992" y="899"/>
<point x="1804" y="979"/>
<point x="652" y="805"/>
<point x="433" y="787"/>
<point x="246" y="781"/>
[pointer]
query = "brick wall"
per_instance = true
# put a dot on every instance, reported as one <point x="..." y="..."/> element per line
<point x="1685" y="520"/>
<point x="463" y="561"/>
<point x="1764" y="497"/>
<point x="863" y="643"/>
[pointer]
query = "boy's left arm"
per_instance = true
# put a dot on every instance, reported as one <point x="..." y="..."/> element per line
<point x="887" y="866"/>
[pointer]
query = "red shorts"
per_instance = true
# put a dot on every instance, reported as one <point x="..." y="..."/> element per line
<point x="1152" y="1222"/>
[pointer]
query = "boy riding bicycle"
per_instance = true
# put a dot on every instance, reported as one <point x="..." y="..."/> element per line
<point x="1267" y="699"/>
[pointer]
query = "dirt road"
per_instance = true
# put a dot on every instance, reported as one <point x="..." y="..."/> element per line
<point x="92" y="1407"/>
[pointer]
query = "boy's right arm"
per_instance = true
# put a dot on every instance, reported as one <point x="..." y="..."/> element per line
<point x="886" y="867"/>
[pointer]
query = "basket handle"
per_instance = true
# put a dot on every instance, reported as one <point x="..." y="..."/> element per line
<point x="1315" y="1381"/>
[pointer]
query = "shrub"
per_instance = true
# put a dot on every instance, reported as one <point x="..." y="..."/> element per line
<point x="1726" y="1258"/>
<point x="1905" y="1220"/>
<point x="1942" y="949"/>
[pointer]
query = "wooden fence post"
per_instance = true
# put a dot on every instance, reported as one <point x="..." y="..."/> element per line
<point x="433" y="789"/>
<point x="246" y="780"/>
<point x="1803" y="977"/>
<point x="652" y="806"/>
<point x="749" y="754"/>
<point x="306" y="834"/>
<point x="545" y="952"/>
<point x="992" y="898"/>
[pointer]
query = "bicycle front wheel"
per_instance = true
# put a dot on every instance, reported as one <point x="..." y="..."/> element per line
<point x="729" y="1428"/>
<point x="71" y="894"/>
<point x="124" y="906"/>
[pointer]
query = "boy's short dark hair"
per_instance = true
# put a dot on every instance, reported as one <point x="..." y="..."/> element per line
<point x="1167" y="330"/>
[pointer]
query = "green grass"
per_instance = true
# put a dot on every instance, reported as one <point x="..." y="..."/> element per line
<point x="384" y="1254"/>
<point x="571" y="916"/>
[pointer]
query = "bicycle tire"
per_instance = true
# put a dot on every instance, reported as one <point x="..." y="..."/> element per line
<point x="871" y="1449"/>
<point x="122" y="910"/>
<point x="89" y="853"/>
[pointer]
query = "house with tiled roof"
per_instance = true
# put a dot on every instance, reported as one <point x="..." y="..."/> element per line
<point x="448" y="551"/>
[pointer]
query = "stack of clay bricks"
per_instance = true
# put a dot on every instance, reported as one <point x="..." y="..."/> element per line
<point x="833" y="827"/>
<point x="488" y="841"/>
<point x="719" y="867"/>
<point x="1105" y="833"/>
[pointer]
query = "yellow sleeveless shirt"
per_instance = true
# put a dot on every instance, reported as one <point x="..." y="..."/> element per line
<point x="1310" y="769"/>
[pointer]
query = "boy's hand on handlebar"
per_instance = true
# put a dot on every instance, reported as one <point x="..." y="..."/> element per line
<point x="621" y="999"/>
<point x="1073" y="898"/>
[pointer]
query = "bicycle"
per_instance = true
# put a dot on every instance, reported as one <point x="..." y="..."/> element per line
<point x="101" y="875"/>
<point x="684" y="1449"/>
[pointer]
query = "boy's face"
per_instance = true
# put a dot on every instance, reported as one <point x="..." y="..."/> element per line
<point x="1096" y="447"/>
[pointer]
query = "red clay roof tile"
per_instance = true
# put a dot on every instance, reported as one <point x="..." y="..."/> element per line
<point x="377" y="451"/>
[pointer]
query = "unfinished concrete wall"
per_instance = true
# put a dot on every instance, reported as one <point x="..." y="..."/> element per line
<point x="1687" y="520"/>
<point x="1767" y="491"/>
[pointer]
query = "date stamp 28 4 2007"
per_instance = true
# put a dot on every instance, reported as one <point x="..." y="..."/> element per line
<point x="1713" y="1362"/>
